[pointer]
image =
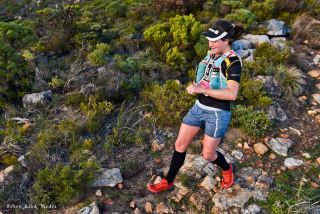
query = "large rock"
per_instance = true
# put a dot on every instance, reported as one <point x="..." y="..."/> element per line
<point x="277" y="28"/>
<point x="270" y="85"/>
<point x="241" y="44"/>
<point x="275" y="112"/>
<point x="257" y="39"/>
<point x="279" y="42"/>
<point x="36" y="99"/>
<point x="247" y="177"/>
<point x="280" y="145"/>
<point x="198" y="165"/>
<point x="292" y="162"/>
<point x="200" y="199"/>
<point x="224" y="200"/>
<point x="109" y="177"/>
<point x="208" y="183"/>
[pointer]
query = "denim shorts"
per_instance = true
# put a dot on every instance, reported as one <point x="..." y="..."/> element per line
<point x="214" y="122"/>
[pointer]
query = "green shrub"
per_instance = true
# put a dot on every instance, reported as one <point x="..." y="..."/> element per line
<point x="62" y="184"/>
<point x="290" y="80"/>
<point x="251" y="92"/>
<point x="94" y="111"/>
<point x="170" y="101"/>
<point x="175" y="39"/>
<point x="55" y="26"/>
<point x="16" y="76"/>
<point x="56" y="83"/>
<point x="98" y="56"/>
<point x="129" y="65"/>
<point x="244" y="16"/>
<point x="9" y="160"/>
<point x="201" y="47"/>
<point x="254" y="123"/>
<point x="263" y="10"/>
<point x="75" y="99"/>
<point x="267" y="58"/>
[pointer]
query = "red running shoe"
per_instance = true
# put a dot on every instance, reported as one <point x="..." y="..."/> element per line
<point x="227" y="180"/>
<point x="162" y="186"/>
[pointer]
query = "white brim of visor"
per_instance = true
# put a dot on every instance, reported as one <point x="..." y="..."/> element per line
<point x="217" y="38"/>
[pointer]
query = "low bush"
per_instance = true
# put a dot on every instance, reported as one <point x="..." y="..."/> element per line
<point x="254" y="123"/>
<point x="61" y="185"/>
<point x="98" y="56"/>
<point x="171" y="102"/>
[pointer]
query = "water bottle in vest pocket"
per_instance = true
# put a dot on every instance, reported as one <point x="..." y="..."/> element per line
<point x="215" y="80"/>
<point x="200" y="71"/>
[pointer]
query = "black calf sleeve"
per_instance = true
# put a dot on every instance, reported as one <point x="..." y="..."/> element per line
<point x="176" y="163"/>
<point x="221" y="161"/>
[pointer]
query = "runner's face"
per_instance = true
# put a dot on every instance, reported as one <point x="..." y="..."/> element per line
<point x="219" y="46"/>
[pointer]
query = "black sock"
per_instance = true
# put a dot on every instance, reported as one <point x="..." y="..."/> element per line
<point x="221" y="161"/>
<point x="176" y="163"/>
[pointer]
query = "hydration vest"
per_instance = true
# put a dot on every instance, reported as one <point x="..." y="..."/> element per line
<point x="209" y="72"/>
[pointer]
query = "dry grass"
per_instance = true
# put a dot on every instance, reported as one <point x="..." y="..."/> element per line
<point x="307" y="28"/>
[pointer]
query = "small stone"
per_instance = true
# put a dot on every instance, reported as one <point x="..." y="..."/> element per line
<point x="108" y="202"/>
<point x="303" y="98"/>
<point x="148" y="207"/>
<point x="283" y="168"/>
<point x="318" y="160"/>
<point x="296" y="131"/>
<point x="155" y="147"/>
<point x="158" y="161"/>
<point x="132" y="204"/>
<point x="98" y="193"/>
<point x="292" y="162"/>
<point x="157" y="180"/>
<point x="9" y="169"/>
<point x="272" y="156"/>
<point x="137" y="211"/>
<point x="162" y="208"/>
<point x="286" y="136"/>
<point x="314" y="185"/>
<point x="312" y="112"/>
<point x="306" y="155"/>
<point x="266" y="139"/>
<point x="282" y="130"/>
<point x="239" y="145"/>
<point x="120" y="186"/>
<point x="236" y="187"/>
<point x="260" y="148"/>
<point x="317" y="86"/>
<point x="246" y="146"/>
<point x="316" y="98"/>
<point x="314" y="73"/>
<point x="278" y="171"/>
<point x="218" y="179"/>
<point x="237" y="154"/>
